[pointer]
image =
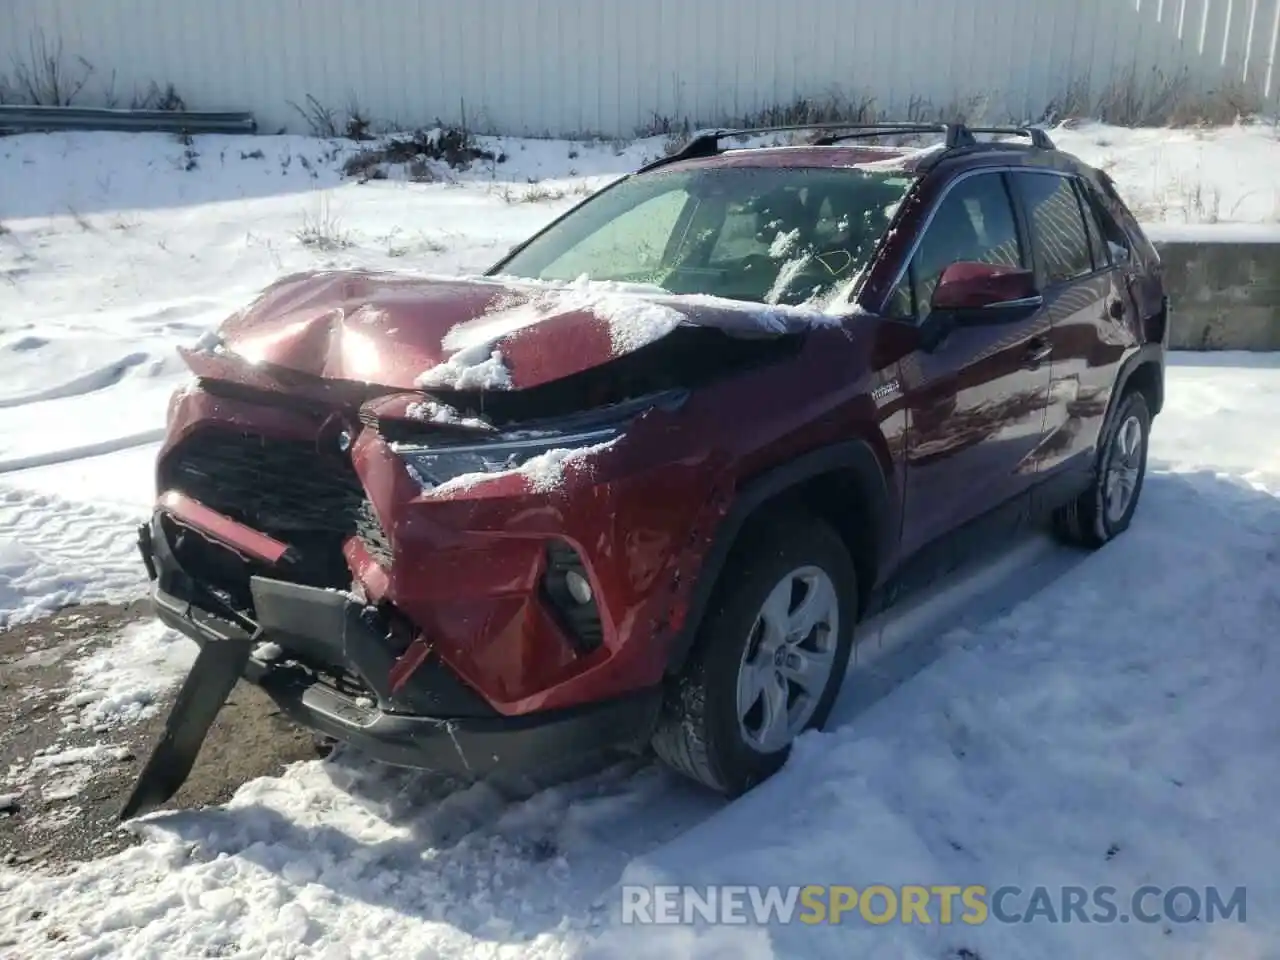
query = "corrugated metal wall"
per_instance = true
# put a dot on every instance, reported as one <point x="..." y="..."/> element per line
<point x="610" y="66"/>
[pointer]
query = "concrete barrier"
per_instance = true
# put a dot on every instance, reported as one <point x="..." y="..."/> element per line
<point x="1223" y="294"/>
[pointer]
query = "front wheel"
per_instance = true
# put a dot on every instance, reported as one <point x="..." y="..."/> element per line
<point x="769" y="659"/>
<point x="1105" y="510"/>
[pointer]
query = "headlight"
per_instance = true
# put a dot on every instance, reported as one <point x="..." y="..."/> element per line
<point x="433" y="466"/>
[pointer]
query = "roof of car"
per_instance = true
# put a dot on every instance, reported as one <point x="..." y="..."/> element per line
<point x="799" y="155"/>
<point x="830" y="148"/>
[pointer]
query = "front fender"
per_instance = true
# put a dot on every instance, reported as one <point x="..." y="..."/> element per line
<point x="856" y="457"/>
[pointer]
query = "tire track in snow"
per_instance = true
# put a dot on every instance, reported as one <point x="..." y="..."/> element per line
<point x="88" y="449"/>
<point x="54" y="552"/>
<point x="113" y="445"/>
<point x="90" y="382"/>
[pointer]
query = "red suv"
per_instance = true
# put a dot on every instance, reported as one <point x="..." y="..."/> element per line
<point x="637" y="484"/>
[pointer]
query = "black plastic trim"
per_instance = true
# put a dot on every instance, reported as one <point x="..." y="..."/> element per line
<point x="435" y="722"/>
<point x="854" y="455"/>
<point x="460" y="746"/>
<point x="1148" y="353"/>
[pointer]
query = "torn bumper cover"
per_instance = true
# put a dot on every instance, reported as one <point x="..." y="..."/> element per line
<point x="431" y="720"/>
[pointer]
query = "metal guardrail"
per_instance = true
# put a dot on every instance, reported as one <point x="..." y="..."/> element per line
<point x="15" y="118"/>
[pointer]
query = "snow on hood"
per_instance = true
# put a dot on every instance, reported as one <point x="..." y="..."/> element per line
<point x="466" y="333"/>
<point x="474" y="361"/>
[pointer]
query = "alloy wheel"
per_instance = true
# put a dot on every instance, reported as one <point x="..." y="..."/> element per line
<point x="1123" y="469"/>
<point x="788" y="659"/>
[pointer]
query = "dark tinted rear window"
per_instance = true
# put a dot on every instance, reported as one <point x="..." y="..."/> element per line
<point x="1057" y="226"/>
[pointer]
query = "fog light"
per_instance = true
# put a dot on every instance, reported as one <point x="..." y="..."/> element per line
<point x="578" y="587"/>
<point x="566" y="590"/>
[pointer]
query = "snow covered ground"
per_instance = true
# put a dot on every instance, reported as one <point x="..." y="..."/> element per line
<point x="1075" y="704"/>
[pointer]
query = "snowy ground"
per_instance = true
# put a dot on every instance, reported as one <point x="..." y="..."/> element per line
<point x="1121" y="700"/>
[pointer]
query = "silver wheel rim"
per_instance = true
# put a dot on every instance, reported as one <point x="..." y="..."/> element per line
<point x="788" y="659"/>
<point x="1123" y="469"/>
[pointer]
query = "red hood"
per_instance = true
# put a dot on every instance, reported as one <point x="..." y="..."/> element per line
<point x="387" y="330"/>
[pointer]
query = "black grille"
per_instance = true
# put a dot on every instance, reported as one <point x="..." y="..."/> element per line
<point x="289" y="489"/>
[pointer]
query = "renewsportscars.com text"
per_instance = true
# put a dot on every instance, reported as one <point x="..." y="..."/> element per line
<point x="943" y="904"/>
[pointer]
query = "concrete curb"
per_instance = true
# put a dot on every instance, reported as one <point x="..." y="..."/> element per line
<point x="1224" y="295"/>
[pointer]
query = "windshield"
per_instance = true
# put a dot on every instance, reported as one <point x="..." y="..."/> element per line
<point x="771" y="235"/>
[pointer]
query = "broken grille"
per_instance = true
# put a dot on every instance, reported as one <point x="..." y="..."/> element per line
<point x="289" y="489"/>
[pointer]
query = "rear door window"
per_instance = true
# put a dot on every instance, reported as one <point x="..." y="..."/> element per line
<point x="1114" y="238"/>
<point x="1097" y="246"/>
<point x="1058" y="230"/>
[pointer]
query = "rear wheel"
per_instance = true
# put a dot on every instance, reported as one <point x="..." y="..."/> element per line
<point x="1105" y="510"/>
<point x="769" y="659"/>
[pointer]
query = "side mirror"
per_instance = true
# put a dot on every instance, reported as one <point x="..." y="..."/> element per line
<point x="976" y="293"/>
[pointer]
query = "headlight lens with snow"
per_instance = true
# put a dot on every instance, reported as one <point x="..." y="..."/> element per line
<point x="433" y="466"/>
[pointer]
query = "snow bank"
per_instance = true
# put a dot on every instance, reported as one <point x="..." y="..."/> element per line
<point x="1187" y="175"/>
<point x="1214" y="232"/>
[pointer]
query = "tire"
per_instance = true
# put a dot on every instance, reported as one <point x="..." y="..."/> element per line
<point x="1088" y="521"/>
<point x="701" y="730"/>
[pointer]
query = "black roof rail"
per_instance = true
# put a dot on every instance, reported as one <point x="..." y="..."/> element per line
<point x="706" y="143"/>
<point x="1038" y="137"/>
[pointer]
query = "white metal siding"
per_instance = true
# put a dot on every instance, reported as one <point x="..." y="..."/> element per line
<point x="610" y="66"/>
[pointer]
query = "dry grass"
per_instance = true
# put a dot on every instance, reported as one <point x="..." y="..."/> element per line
<point x="45" y="79"/>
<point x="323" y="230"/>
<point x="1153" y="99"/>
<point x="325" y="122"/>
<point x="418" y="153"/>
<point x="1150" y="99"/>
<point x="83" y="222"/>
<point x="1201" y="204"/>
<point x="1192" y="201"/>
<point x="400" y="246"/>
<point x="542" y="192"/>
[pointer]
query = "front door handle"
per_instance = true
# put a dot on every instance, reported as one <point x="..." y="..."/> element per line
<point x="1038" y="351"/>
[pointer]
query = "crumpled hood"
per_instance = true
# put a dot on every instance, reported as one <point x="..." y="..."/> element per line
<point x="408" y="333"/>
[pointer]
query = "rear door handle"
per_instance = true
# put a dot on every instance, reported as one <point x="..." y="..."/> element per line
<point x="1038" y="351"/>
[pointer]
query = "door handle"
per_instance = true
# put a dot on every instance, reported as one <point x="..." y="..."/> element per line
<point x="1038" y="351"/>
<point x="1116" y="309"/>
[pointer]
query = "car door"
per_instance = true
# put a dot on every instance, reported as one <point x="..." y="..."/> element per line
<point x="975" y="400"/>
<point x="1080" y="271"/>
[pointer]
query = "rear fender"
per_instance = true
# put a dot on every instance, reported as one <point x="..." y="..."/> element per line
<point x="1149" y="354"/>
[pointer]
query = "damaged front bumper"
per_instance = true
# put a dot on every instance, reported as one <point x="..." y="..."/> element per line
<point x="324" y="658"/>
